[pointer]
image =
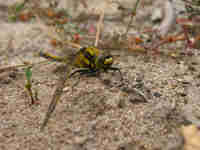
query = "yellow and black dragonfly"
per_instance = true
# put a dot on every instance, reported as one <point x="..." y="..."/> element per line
<point x="90" y="61"/>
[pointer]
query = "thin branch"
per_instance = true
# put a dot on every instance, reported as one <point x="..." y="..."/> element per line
<point x="84" y="3"/>
<point x="10" y="68"/>
<point x="56" y="96"/>
<point x="133" y="14"/>
<point x="99" y="25"/>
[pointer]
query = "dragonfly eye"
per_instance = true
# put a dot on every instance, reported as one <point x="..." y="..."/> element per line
<point x="108" y="60"/>
<point x="105" y="61"/>
<point x="82" y="49"/>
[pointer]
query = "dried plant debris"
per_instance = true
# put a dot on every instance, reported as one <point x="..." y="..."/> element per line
<point x="192" y="7"/>
<point x="56" y="96"/>
<point x="164" y="12"/>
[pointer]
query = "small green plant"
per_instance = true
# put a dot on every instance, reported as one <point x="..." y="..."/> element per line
<point x="28" y="85"/>
<point x="19" y="7"/>
<point x="16" y="9"/>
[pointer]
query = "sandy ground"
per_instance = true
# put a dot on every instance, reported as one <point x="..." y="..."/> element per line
<point x="97" y="114"/>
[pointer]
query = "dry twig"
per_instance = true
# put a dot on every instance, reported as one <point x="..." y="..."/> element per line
<point x="56" y="96"/>
<point x="99" y="25"/>
<point x="133" y="14"/>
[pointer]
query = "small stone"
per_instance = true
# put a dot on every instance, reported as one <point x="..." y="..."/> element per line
<point x="80" y="139"/>
<point x="156" y="94"/>
<point x="66" y="89"/>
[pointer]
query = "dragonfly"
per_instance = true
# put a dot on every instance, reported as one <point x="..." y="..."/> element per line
<point x="89" y="61"/>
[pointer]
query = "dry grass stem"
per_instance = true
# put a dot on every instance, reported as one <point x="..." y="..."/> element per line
<point x="99" y="26"/>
